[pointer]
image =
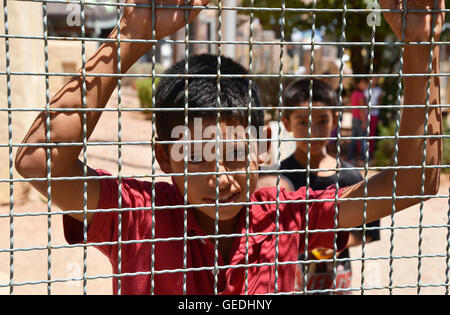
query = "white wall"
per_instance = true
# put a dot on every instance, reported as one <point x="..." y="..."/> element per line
<point x="26" y="55"/>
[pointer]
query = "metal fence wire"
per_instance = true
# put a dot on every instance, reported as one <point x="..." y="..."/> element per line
<point x="413" y="253"/>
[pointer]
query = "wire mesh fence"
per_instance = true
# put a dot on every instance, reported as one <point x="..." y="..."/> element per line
<point x="161" y="216"/>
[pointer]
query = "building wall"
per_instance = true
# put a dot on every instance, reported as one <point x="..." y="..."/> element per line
<point x="29" y="91"/>
<point x="26" y="55"/>
<point x="65" y="57"/>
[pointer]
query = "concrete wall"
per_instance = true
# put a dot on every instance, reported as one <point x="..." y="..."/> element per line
<point x="65" y="57"/>
<point x="26" y="55"/>
<point x="28" y="91"/>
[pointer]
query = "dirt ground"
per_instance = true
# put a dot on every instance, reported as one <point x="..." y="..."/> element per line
<point x="34" y="262"/>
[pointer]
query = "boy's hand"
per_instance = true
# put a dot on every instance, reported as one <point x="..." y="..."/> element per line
<point x="137" y="22"/>
<point x="418" y="25"/>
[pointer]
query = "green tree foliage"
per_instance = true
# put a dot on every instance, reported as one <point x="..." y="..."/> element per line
<point x="144" y="88"/>
<point x="330" y="25"/>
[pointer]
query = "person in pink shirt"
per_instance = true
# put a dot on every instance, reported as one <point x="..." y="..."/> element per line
<point x="375" y="100"/>
<point x="359" y="121"/>
<point x="210" y="231"/>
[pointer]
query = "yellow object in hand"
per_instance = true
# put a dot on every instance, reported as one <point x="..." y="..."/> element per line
<point x="322" y="253"/>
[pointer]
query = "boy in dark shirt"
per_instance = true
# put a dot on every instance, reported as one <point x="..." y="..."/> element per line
<point x="323" y="121"/>
<point x="164" y="238"/>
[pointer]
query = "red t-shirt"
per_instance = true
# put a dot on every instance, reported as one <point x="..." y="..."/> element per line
<point x="355" y="99"/>
<point x="136" y="225"/>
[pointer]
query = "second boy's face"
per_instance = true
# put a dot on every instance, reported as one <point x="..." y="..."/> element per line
<point x="323" y="121"/>
<point x="363" y="85"/>
<point x="233" y="162"/>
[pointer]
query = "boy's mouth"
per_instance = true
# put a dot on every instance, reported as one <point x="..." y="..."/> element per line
<point x="223" y="199"/>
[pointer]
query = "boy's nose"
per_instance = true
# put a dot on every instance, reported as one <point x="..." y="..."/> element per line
<point x="316" y="131"/>
<point x="224" y="179"/>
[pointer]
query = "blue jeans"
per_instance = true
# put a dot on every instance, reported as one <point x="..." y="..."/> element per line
<point x="357" y="131"/>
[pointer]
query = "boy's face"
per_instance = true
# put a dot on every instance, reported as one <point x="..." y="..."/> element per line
<point x="202" y="158"/>
<point x="323" y="121"/>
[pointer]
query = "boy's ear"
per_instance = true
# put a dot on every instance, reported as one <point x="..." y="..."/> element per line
<point x="163" y="158"/>
<point x="265" y="146"/>
<point x="287" y="123"/>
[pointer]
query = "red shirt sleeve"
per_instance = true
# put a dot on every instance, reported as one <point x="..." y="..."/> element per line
<point x="321" y="216"/>
<point x="105" y="224"/>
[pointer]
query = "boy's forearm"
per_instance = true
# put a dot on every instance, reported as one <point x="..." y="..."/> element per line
<point x="414" y="121"/>
<point x="410" y="150"/>
<point x="68" y="126"/>
<point x="418" y="123"/>
<point x="99" y="88"/>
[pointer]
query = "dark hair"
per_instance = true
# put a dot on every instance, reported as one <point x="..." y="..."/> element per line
<point x="202" y="94"/>
<point x="298" y="92"/>
<point x="360" y="79"/>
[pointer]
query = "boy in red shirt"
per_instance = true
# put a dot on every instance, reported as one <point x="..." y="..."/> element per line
<point x="258" y="245"/>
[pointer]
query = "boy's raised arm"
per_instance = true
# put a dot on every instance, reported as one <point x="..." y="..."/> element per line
<point x="31" y="162"/>
<point x="413" y="120"/>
